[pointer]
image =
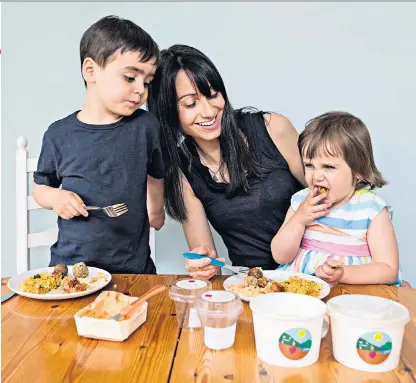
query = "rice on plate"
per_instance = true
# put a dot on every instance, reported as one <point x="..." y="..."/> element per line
<point x="259" y="282"/>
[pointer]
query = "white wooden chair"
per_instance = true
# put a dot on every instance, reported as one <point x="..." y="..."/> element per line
<point x="25" y="203"/>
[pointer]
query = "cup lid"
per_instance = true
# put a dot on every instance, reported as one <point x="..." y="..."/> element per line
<point x="219" y="302"/>
<point x="188" y="289"/>
<point x="367" y="307"/>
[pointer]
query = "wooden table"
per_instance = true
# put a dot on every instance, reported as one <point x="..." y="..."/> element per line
<point x="40" y="344"/>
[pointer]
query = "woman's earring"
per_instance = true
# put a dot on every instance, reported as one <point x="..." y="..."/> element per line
<point x="181" y="139"/>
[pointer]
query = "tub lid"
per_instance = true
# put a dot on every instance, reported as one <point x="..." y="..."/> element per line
<point x="367" y="307"/>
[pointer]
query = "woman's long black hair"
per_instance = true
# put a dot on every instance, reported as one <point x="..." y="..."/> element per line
<point x="162" y="103"/>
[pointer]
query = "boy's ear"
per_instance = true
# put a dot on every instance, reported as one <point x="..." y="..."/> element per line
<point x="89" y="69"/>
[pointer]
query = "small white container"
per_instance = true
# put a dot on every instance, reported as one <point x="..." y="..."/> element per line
<point x="367" y="331"/>
<point x="107" y="329"/>
<point x="219" y="311"/>
<point x="288" y="328"/>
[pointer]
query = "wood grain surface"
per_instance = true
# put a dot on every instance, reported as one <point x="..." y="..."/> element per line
<point x="40" y="344"/>
<point x="40" y="341"/>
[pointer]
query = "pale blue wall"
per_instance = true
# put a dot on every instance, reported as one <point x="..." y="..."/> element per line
<point x="298" y="59"/>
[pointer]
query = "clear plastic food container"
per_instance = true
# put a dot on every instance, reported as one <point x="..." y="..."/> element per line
<point x="219" y="311"/>
<point x="184" y="293"/>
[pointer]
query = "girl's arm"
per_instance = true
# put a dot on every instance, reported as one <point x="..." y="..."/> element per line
<point x="384" y="252"/>
<point x="286" y="243"/>
<point x="285" y="137"/>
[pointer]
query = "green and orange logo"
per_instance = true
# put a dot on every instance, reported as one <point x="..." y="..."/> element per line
<point x="295" y="343"/>
<point x="374" y="347"/>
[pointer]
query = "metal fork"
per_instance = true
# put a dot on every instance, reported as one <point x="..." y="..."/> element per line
<point x="215" y="262"/>
<point x="112" y="210"/>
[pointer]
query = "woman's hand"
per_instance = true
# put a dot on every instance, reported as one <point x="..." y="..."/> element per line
<point x="202" y="268"/>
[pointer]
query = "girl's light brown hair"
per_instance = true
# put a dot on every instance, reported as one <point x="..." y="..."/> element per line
<point x="342" y="134"/>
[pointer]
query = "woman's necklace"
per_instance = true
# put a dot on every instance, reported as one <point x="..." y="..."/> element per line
<point x="213" y="174"/>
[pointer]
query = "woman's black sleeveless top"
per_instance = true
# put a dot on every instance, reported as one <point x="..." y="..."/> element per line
<point x="247" y="223"/>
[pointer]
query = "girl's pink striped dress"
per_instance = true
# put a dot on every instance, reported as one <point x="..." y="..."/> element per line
<point x="341" y="235"/>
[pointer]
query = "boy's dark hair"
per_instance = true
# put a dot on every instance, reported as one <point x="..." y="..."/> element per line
<point x="342" y="134"/>
<point x="112" y="33"/>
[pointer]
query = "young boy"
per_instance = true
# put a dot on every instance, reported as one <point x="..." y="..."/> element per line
<point x="106" y="153"/>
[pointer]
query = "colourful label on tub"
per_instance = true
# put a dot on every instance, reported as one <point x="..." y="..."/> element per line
<point x="374" y="347"/>
<point x="295" y="343"/>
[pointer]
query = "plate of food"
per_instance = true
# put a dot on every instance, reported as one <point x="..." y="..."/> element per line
<point x="59" y="282"/>
<point x="259" y="282"/>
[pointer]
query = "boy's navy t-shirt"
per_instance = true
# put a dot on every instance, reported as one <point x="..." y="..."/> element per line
<point x="104" y="165"/>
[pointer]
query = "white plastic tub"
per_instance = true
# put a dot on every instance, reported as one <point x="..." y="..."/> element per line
<point x="367" y="331"/>
<point x="288" y="328"/>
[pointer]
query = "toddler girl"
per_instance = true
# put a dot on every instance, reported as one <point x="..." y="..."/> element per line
<point x="338" y="228"/>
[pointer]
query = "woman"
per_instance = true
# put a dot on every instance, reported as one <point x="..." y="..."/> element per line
<point x="236" y="169"/>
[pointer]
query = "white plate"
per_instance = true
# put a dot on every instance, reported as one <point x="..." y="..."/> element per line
<point x="278" y="275"/>
<point x="14" y="283"/>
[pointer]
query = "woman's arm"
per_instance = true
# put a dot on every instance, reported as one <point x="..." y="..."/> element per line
<point x="384" y="253"/>
<point x="196" y="228"/>
<point x="198" y="235"/>
<point x="285" y="137"/>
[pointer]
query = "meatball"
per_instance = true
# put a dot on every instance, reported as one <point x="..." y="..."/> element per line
<point x="61" y="269"/>
<point x="255" y="272"/>
<point x="262" y="282"/>
<point x="276" y="287"/>
<point x="80" y="270"/>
